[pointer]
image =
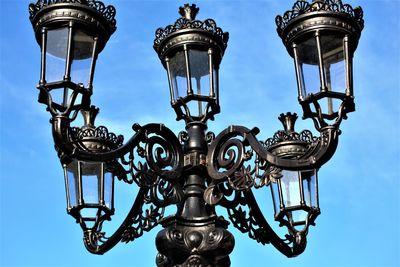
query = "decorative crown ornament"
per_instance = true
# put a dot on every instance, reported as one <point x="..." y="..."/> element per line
<point x="331" y="15"/>
<point x="288" y="143"/>
<point x="188" y="30"/>
<point x="94" y="139"/>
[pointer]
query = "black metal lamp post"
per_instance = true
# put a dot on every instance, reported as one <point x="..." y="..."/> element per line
<point x="196" y="170"/>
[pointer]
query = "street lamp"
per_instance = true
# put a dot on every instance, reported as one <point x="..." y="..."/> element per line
<point x="197" y="170"/>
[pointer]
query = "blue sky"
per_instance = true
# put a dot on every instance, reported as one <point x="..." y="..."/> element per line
<point x="359" y="187"/>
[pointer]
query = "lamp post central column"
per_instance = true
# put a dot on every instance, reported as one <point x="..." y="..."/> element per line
<point x="195" y="236"/>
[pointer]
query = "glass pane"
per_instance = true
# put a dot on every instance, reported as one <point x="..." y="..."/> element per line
<point x="310" y="188"/>
<point x="290" y="188"/>
<point x="275" y="197"/>
<point x="56" y="54"/>
<point x="178" y="74"/>
<point x="200" y="72"/>
<point x="309" y="67"/>
<point x="108" y="189"/>
<point x="334" y="64"/>
<point x="73" y="182"/>
<point x="91" y="179"/>
<point x="82" y="57"/>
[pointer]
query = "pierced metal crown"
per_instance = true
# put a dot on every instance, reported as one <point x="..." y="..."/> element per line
<point x="303" y="7"/>
<point x="327" y="15"/>
<point x="108" y="12"/>
<point x="163" y="36"/>
<point x="92" y="138"/>
<point x="288" y="143"/>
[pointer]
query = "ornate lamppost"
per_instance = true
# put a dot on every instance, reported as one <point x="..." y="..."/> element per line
<point x="196" y="170"/>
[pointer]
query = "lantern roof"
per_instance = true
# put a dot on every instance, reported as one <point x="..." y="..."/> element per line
<point x="288" y="143"/>
<point x="331" y="15"/>
<point x="94" y="139"/>
<point x="190" y="30"/>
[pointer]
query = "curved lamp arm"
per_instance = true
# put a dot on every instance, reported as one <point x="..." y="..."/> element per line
<point x="299" y="242"/>
<point x="227" y="152"/>
<point x="96" y="243"/>
<point x="136" y="222"/>
<point x="251" y="220"/>
<point x="163" y="148"/>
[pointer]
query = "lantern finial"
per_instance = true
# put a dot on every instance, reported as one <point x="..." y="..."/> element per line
<point x="89" y="116"/>
<point x="288" y="120"/>
<point x="189" y="11"/>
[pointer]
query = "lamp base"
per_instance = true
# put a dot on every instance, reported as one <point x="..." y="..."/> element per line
<point x="184" y="243"/>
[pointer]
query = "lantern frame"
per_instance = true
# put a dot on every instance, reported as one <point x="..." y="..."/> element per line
<point x="104" y="211"/>
<point x="314" y="20"/>
<point x="92" y="18"/>
<point x="282" y="214"/>
<point x="289" y="144"/>
<point x="184" y="35"/>
<point x="95" y="140"/>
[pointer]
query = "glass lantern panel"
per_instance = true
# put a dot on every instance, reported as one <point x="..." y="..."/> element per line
<point x="309" y="179"/>
<point x="82" y="53"/>
<point x="308" y="62"/>
<point x="275" y="196"/>
<point x="334" y="64"/>
<point x="199" y="72"/>
<point x="73" y="183"/>
<point x="108" y="189"/>
<point x="56" y="54"/>
<point x="290" y="188"/>
<point x="177" y="65"/>
<point x="91" y="181"/>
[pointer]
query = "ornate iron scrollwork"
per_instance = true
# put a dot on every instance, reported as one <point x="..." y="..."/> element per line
<point x="246" y="216"/>
<point x="195" y="170"/>
<point x="236" y="145"/>
<point x="107" y="11"/>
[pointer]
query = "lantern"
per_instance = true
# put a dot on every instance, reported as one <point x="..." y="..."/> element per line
<point x="71" y="34"/>
<point x="322" y="38"/>
<point x="295" y="192"/>
<point x="295" y="197"/>
<point x="90" y="192"/>
<point x="191" y="51"/>
<point x="90" y="184"/>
